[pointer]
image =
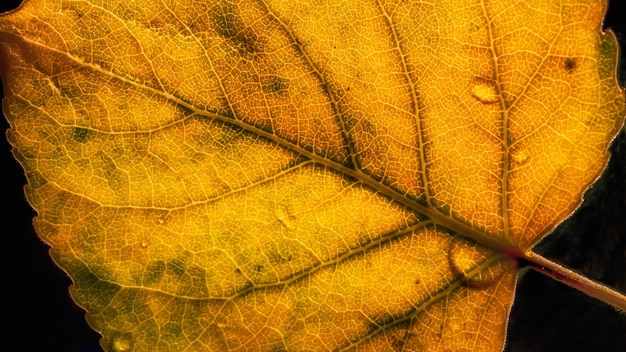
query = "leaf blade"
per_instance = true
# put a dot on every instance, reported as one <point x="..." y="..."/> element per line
<point x="366" y="171"/>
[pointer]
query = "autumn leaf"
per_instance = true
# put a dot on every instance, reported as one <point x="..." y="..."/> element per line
<point x="291" y="176"/>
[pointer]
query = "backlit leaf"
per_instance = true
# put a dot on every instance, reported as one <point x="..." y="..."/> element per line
<point x="293" y="175"/>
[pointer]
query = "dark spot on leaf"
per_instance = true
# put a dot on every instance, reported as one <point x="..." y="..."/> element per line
<point x="275" y="84"/>
<point x="246" y="42"/>
<point x="84" y="277"/>
<point x="154" y="272"/>
<point x="296" y="161"/>
<point x="569" y="65"/>
<point x="258" y="268"/>
<point x="325" y="90"/>
<point x="36" y="179"/>
<point x="277" y="256"/>
<point x="225" y="21"/>
<point x="228" y="25"/>
<point x="230" y="133"/>
<point x="606" y="47"/>
<point x="217" y="338"/>
<point x="474" y="27"/>
<point x="95" y="293"/>
<point x="176" y="267"/>
<point x="80" y="135"/>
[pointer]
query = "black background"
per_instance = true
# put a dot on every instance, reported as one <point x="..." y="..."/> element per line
<point x="546" y="316"/>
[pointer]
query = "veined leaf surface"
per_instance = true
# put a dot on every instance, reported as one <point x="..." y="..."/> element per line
<point x="284" y="175"/>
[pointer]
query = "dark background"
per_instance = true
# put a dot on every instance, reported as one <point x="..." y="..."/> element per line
<point x="546" y="316"/>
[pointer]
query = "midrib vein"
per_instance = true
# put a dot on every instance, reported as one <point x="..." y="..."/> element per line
<point x="435" y="215"/>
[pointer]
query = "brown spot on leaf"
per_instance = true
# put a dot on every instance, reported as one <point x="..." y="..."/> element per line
<point x="275" y="84"/>
<point x="154" y="272"/>
<point x="80" y="135"/>
<point x="225" y="21"/>
<point x="229" y="25"/>
<point x="570" y="64"/>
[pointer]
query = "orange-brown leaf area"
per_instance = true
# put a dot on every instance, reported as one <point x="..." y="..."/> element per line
<point x="304" y="175"/>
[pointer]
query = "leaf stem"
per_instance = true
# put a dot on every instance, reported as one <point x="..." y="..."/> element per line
<point x="576" y="280"/>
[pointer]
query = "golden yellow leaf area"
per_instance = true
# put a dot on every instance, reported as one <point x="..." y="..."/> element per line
<point x="304" y="175"/>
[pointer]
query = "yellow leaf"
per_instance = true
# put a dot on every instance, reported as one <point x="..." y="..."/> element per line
<point x="310" y="175"/>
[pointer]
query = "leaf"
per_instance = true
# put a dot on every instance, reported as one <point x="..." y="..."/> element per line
<point x="290" y="176"/>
